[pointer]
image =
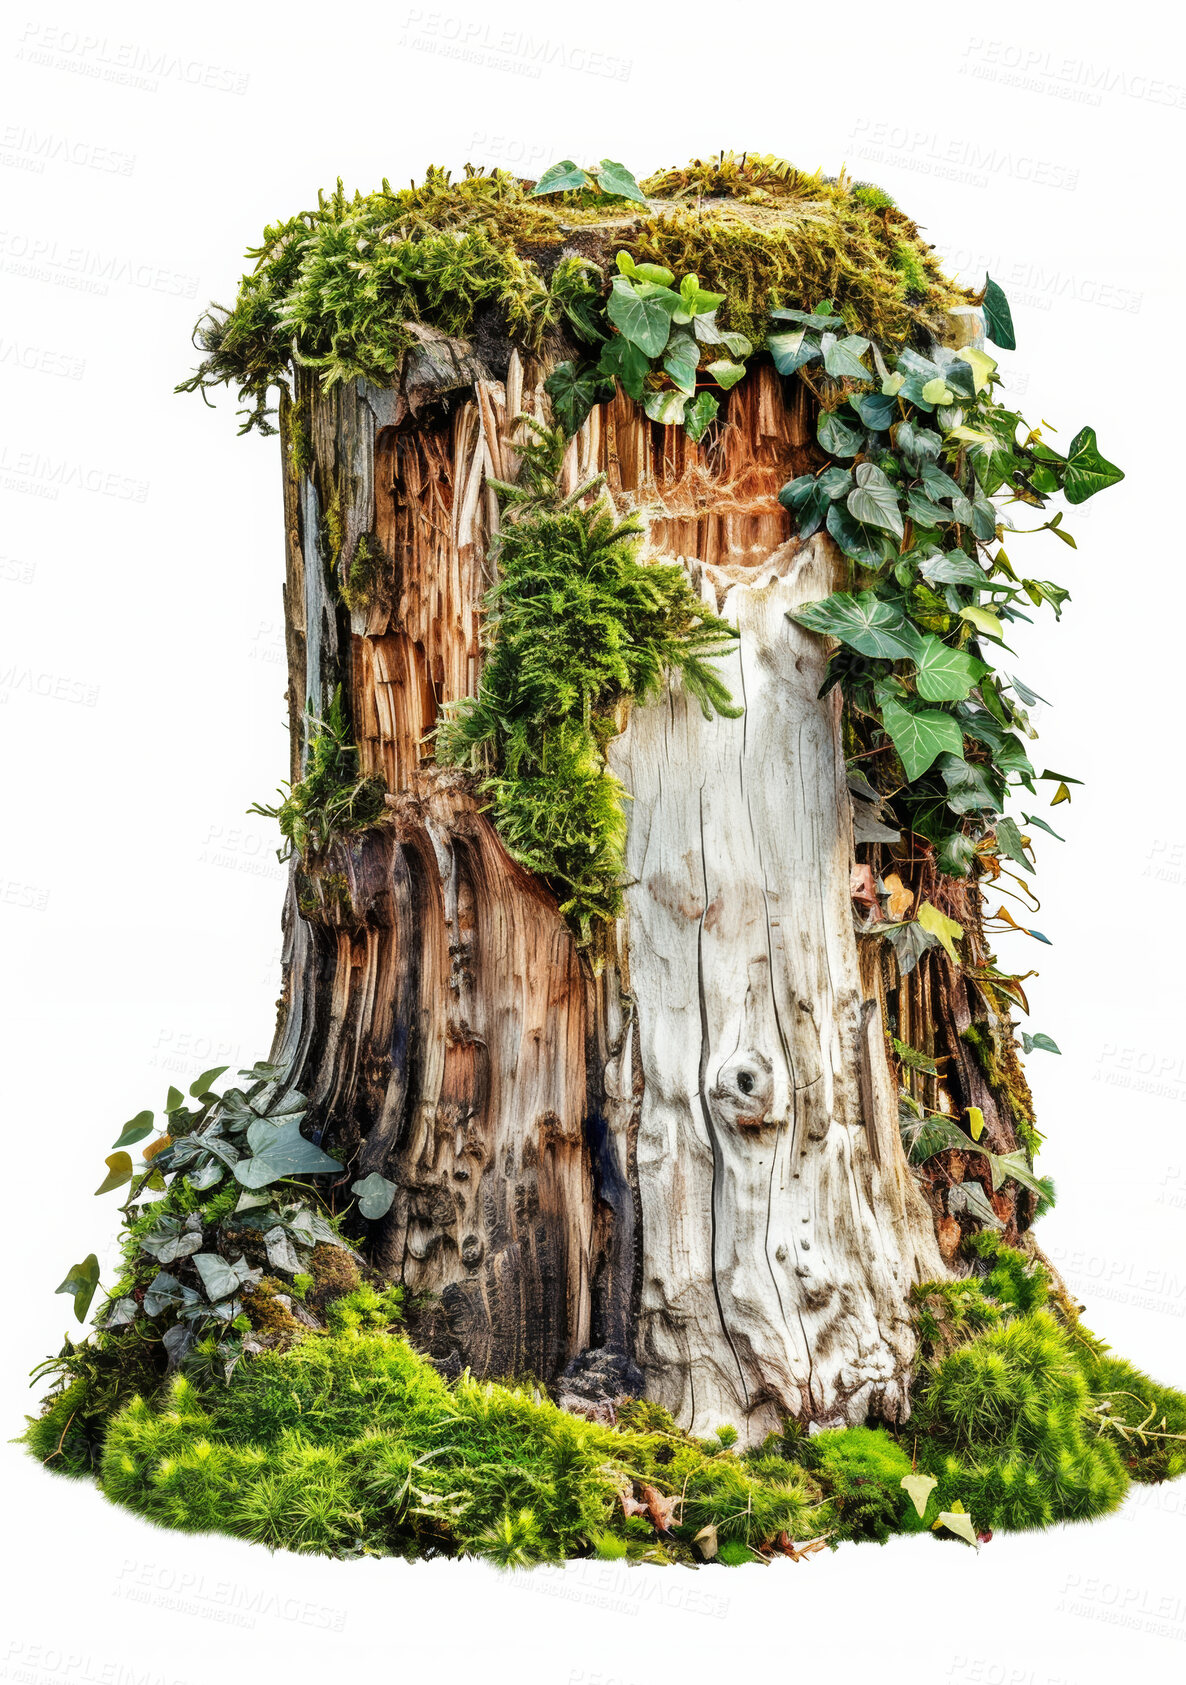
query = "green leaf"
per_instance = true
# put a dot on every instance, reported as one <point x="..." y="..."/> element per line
<point x="174" y="1100"/>
<point x="842" y="357"/>
<point x="736" y="343"/>
<point x="998" y="318"/>
<point x="573" y="390"/>
<point x="667" y="407"/>
<point x="621" y="360"/>
<point x="983" y="367"/>
<point x="909" y="942"/>
<point x="119" y="1171"/>
<point x="952" y="569"/>
<point x="970" y="789"/>
<point x="921" y="737"/>
<point x="726" y="374"/>
<point x="938" y="484"/>
<point x="937" y="391"/>
<point x="681" y="360"/>
<point x="219" y="1277"/>
<point x="564" y="177"/>
<point x="617" y="179"/>
<point x="836" y="438"/>
<point x="817" y="321"/>
<point x="644" y="321"/>
<point x="807" y="497"/>
<point x="699" y="415"/>
<point x="792" y="351"/>
<point x="1032" y="819"/>
<point x="134" y="1130"/>
<point x="81" y="1282"/>
<point x="946" y="674"/>
<point x="918" y="1488"/>
<point x="874" y="501"/>
<point x="1044" y="1042"/>
<point x="983" y="619"/>
<point x="375" y="1195"/>
<point x="1015" y="1165"/>
<point x="1009" y="843"/>
<point x="956" y="1521"/>
<point x="971" y="1197"/>
<point x="945" y="931"/>
<point x="201" y="1085"/>
<point x="287" y="1154"/>
<point x="875" y="411"/>
<point x="865" y="623"/>
<point x="652" y="272"/>
<point x="956" y="852"/>
<point x="870" y="546"/>
<point x="1087" y="471"/>
<point x="695" y="301"/>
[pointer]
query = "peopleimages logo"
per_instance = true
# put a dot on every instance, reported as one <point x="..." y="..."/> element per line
<point x="83" y="270"/>
<point x="956" y="158"/>
<point x="127" y="63"/>
<point x="1063" y="75"/>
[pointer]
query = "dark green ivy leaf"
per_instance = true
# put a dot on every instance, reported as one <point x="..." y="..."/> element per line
<point x="862" y="621"/>
<point x="564" y="177"/>
<point x="1087" y="471"/>
<point x="573" y="390"/>
<point x="998" y="318"/>
<point x="617" y="179"/>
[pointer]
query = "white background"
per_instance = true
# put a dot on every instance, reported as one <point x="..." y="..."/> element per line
<point x="140" y="695"/>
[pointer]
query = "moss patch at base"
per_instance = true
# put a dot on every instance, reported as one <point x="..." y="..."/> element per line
<point x="349" y="1442"/>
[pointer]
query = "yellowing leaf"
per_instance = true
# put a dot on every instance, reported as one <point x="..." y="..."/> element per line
<point x="157" y="1146"/>
<point x="956" y="1520"/>
<point x="919" y="1487"/>
<point x="976" y="1122"/>
<point x="983" y="619"/>
<point x="119" y="1171"/>
<point x="706" y="1540"/>
<point x="942" y="928"/>
<point x="981" y="365"/>
<point x="1062" y="794"/>
<point x="901" y="899"/>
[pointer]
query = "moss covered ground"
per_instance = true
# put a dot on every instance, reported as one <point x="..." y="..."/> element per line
<point x="344" y="1440"/>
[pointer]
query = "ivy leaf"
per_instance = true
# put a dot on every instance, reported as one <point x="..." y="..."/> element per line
<point x="971" y="1198"/>
<point x="1032" y="819"/>
<point x="874" y="501"/>
<point x="793" y="351"/>
<point x="909" y="942"/>
<point x="726" y="374"/>
<point x="564" y="177"/>
<point x="694" y="301"/>
<point x="936" y="483"/>
<point x="1002" y="1166"/>
<point x="652" y="272"/>
<point x="952" y="569"/>
<point x="617" y="179"/>
<point x="573" y="390"/>
<point x="918" y="1488"/>
<point x="288" y="1154"/>
<point x="921" y="737"/>
<point x="946" y="674"/>
<point x="956" y="1521"/>
<point x="620" y="360"/>
<point x="134" y="1130"/>
<point x="219" y="1277"/>
<point x="870" y="546"/>
<point x="842" y="357"/>
<point x="666" y="407"/>
<point x="818" y="321"/>
<point x="807" y="497"/>
<point x="975" y="1122"/>
<point x="874" y="409"/>
<point x="644" y="321"/>
<point x="942" y="928"/>
<point x="375" y="1195"/>
<point x="81" y="1282"/>
<point x="1009" y="843"/>
<point x="1044" y="1042"/>
<point x="119" y="1171"/>
<point x="1087" y="471"/>
<point x="984" y="620"/>
<point x="836" y="438"/>
<point x="681" y="360"/>
<point x="970" y="786"/>
<point x="983" y="367"/>
<point x="924" y="513"/>
<point x="738" y="345"/>
<point x="998" y="318"/>
<point x="201" y="1085"/>
<point x="956" y="852"/>
<point x="865" y="623"/>
<point x="917" y="445"/>
<point x="937" y="391"/>
<point x="174" y="1100"/>
<point x="699" y="415"/>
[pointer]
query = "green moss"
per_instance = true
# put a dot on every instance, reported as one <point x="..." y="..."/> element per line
<point x="335" y="287"/>
<point x="577" y="625"/>
<point x="331" y="801"/>
<point x="367" y="569"/>
<point x="862" y="1469"/>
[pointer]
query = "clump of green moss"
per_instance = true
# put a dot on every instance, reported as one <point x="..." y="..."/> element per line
<point x="331" y="800"/>
<point x="577" y="624"/>
<point x="335" y="288"/>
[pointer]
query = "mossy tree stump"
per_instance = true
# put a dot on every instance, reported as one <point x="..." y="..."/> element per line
<point x="685" y="1156"/>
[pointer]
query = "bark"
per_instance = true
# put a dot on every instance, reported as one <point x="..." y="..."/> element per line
<point x="688" y="1158"/>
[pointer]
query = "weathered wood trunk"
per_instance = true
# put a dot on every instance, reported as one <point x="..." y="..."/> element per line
<point x="689" y="1156"/>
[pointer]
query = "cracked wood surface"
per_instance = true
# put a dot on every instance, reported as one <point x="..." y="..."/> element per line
<point x="674" y="1157"/>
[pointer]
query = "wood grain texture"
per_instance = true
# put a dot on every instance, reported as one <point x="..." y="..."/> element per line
<point x="689" y="1156"/>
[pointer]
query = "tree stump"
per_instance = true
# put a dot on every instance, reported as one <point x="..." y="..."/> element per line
<point x="686" y="1156"/>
